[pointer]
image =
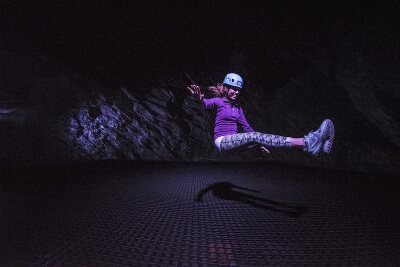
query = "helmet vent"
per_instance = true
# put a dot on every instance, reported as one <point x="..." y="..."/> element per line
<point x="234" y="80"/>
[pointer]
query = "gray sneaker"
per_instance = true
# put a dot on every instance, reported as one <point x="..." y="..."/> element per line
<point x="314" y="141"/>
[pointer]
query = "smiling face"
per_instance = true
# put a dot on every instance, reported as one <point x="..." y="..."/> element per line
<point x="232" y="92"/>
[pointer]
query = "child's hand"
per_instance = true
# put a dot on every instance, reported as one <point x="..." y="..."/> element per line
<point x="265" y="150"/>
<point x="195" y="91"/>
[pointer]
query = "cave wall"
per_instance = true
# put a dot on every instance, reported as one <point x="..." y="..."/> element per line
<point x="100" y="81"/>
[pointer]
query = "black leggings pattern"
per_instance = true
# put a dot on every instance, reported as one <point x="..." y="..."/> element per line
<point x="239" y="140"/>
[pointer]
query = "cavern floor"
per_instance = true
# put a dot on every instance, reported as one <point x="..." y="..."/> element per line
<point x="146" y="214"/>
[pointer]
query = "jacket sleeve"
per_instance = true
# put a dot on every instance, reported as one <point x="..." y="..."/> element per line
<point x="243" y="122"/>
<point x="210" y="103"/>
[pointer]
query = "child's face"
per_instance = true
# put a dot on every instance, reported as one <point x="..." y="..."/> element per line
<point x="233" y="92"/>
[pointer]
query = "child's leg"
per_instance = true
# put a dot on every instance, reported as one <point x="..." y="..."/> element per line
<point x="242" y="139"/>
<point x="314" y="142"/>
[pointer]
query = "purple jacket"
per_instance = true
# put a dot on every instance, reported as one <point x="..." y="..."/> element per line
<point x="228" y="117"/>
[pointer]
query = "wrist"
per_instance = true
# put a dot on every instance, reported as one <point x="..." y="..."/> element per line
<point x="197" y="100"/>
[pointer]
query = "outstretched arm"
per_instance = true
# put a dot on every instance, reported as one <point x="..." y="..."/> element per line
<point x="195" y="92"/>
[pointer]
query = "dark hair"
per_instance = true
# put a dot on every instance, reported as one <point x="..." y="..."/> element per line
<point x="220" y="90"/>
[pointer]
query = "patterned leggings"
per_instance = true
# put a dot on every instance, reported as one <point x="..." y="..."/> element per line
<point x="240" y="140"/>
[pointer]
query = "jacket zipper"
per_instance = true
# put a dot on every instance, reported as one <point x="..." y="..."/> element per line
<point x="233" y="109"/>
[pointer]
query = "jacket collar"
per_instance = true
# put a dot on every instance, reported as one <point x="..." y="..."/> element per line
<point x="226" y="100"/>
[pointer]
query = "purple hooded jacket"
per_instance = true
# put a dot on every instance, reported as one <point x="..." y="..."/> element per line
<point x="228" y="117"/>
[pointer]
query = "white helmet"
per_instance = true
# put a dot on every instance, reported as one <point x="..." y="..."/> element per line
<point x="234" y="80"/>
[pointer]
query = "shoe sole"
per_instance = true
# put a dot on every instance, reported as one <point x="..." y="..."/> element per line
<point x="331" y="135"/>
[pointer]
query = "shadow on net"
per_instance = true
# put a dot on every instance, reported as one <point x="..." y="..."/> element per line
<point x="229" y="191"/>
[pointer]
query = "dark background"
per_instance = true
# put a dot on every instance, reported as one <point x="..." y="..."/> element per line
<point x="96" y="80"/>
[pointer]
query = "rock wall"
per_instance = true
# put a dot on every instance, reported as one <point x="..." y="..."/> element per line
<point x="58" y="105"/>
